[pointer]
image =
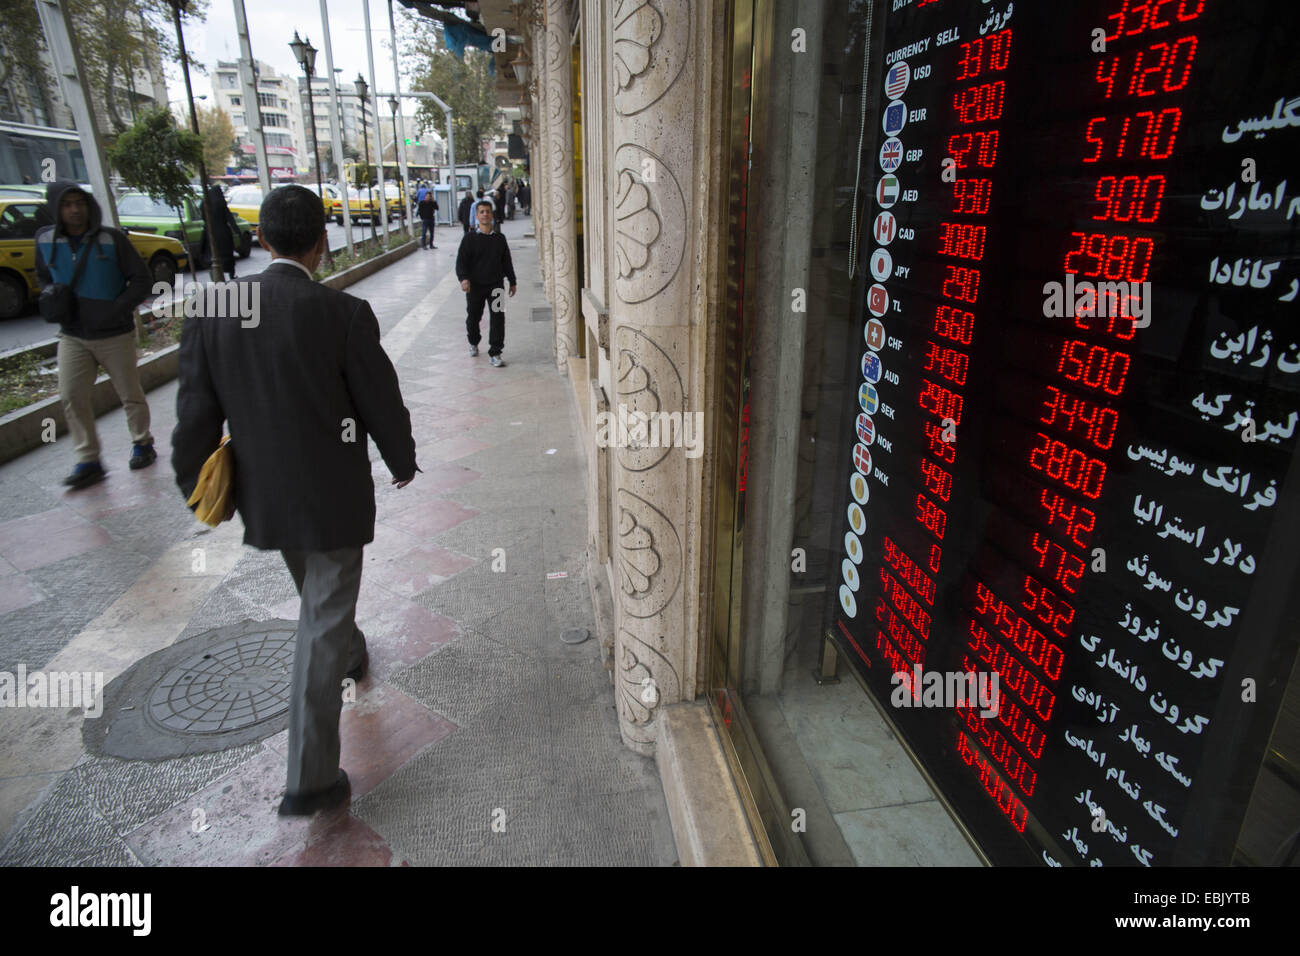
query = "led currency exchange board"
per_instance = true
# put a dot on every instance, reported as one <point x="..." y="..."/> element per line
<point x="1070" y="455"/>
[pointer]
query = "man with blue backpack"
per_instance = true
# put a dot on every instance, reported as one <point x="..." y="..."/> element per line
<point x="105" y="280"/>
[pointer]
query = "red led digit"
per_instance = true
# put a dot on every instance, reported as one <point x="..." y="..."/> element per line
<point x="931" y="516"/>
<point x="1106" y="70"/>
<point x="949" y="363"/>
<point x="1094" y="366"/>
<point x="1112" y="257"/>
<point x="1161" y="132"/>
<point x="1051" y="610"/>
<point x="942" y="403"/>
<point x="1000" y="54"/>
<point x="1070" y="466"/>
<point x="954" y="324"/>
<point x="980" y="104"/>
<point x="1058" y="507"/>
<point x="937" y="481"/>
<point x="1130" y="198"/>
<point x="940" y="447"/>
<point x="935" y="556"/>
<point x="972" y="196"/>
<point x="961" y="283"/>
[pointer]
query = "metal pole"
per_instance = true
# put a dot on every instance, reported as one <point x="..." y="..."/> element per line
<point x="315" y="149"/>
<point x="62" y="44"/>
<point x="379" y="133"/>
<point x="398" y="126"/>
<point x="335" y="133"/>
<point x="209" y="225"/>
<point x="365" y="160"/>
<point x="252" y="108"/>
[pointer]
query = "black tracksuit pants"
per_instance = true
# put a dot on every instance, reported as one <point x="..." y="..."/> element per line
<point x="494" y="296"/>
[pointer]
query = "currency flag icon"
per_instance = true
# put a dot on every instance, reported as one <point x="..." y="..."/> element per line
<point x="848" y="602"/>
<point x="877" y="299"/>
<point x="896" y="79"/>
<point x="868" y="398"/>
<point x="887" y="191"/>
<point x="891" y="154"/>
<point x="866" y="429"/>
<point x="882" y="264"/>
<point x="850" y="572"/>
<point x="895" y="118"/>
<point x="862" y="459"/>
<point x="853" y="546"/>
<point x="871" y="367"/>
<point x="875" y="335"/>
<point x="857" y="520"/>
<point x="886" y="228"/>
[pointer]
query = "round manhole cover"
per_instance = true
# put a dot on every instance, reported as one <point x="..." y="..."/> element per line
<point x="230" y="685"/>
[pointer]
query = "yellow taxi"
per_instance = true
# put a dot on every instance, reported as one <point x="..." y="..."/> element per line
<point x="333" y="201"/>
<point x="363" y="203"/>
<point x="22" y="216"/>
<point x="246" y="201"/>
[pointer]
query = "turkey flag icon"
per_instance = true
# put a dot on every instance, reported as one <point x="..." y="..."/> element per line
<point x="877" y="300"/>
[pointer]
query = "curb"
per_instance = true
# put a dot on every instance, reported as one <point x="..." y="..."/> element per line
<point x="20" y="430"/>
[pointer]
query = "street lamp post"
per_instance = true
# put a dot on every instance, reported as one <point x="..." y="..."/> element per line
<point x="363" y="89"/>
<point x="208" y="224"/>
<point x="392" y="105"/>
<point x="306" y="56"/>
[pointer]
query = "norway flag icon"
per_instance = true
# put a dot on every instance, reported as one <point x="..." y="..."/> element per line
<point x="866" y="429"/>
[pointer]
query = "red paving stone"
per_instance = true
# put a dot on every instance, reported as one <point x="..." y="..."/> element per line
<point x="16" y="591"/>
<point x="55" y="546"/>
<point x="399" y="632"/>
<point x="417" y="570"/>
<point x="449" y="449"/>
<point x="351" y="843"/>
<point x="381" y="732"/>
<point x="426" y="519"/>
<point x="240" y="811"/>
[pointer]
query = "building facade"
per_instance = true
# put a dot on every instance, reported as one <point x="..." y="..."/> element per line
<point x="287" y="148"/>
<point x="717" y="185"/>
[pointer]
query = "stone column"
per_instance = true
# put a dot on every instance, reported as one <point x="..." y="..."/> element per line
<point x="665" y="116"/>
<point x="562" y="230"/>
<point x="541" y="195"/>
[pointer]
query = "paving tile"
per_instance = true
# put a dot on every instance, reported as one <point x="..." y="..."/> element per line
<point x="381" y="731"/>
<point x="55" y="546"/>
<point x="399" y="632"/>
<point x="17" y="591"/>
<point x="351" y="843"/>
<point x="417" y="570"/>
<point x="427" y="519"/>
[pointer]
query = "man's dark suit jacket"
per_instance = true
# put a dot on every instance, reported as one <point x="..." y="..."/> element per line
<point x="287" y="388"/>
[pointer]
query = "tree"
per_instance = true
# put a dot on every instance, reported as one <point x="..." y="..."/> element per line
<point x="466" y="86"/>
<point x="21" y="42"/>
<point x="218" y="138"/>
<point x="155" y="156"/>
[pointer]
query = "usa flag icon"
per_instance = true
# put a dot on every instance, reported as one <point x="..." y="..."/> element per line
<point x="895" y="118"/>
<point x="891" y="154"/>
<point x="896" y="79"/>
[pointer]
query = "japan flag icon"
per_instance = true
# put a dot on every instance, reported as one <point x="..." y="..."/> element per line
<point x="882" y="265"/>
<point x="875" y="335"/>
<point x="877" y="300"/>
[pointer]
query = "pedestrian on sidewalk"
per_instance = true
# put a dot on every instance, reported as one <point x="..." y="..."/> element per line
<point x="223" y="232"/>
<point x="302" y="390"/>
<point x="427" y="208"/>
<point x="101" y="329"/>
<point x="482" y="265"/>
<point x="465" y="214"/>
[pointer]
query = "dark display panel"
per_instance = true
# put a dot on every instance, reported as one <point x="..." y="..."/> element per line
<point x="1076" y="417"/>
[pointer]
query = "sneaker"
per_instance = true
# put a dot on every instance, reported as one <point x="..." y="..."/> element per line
<point x="496" y="361"/>
<point x="473" y="350"/>
<point x="85" y="474"/>
<point x="142" y="456"/>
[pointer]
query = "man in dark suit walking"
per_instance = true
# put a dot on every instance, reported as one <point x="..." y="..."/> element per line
<point x="303" y="382"/>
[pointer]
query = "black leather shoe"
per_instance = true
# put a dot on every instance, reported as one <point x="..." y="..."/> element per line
<point x="305" y="804"/>
<point x="359" y="671"/>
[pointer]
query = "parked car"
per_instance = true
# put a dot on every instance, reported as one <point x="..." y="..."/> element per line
<point x="363" y="203"/>
<point x="333" y="201"/>
<point x="246" y="202"/>
<point x="21" y="217"/>
<point x="140" y="213"/>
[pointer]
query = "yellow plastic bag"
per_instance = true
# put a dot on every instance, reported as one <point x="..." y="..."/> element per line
<point x="215" y="491"/>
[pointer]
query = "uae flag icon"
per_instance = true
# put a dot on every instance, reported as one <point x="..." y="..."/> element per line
<point x="887" y="191"/>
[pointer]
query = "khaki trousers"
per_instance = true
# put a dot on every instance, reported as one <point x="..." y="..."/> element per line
<point x="79" y="361"/>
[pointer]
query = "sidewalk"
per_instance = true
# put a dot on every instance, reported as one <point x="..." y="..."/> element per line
<point x="478" y="738"/>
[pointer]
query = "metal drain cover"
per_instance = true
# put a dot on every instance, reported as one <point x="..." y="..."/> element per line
<point x="217" y="690"/>
<point x="239" y="682"/>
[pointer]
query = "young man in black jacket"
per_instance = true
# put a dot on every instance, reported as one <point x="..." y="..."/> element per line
<point x="481" y="264"/>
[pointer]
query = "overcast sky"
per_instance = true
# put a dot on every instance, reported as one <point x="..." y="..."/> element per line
<point x="270" y="28"/>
